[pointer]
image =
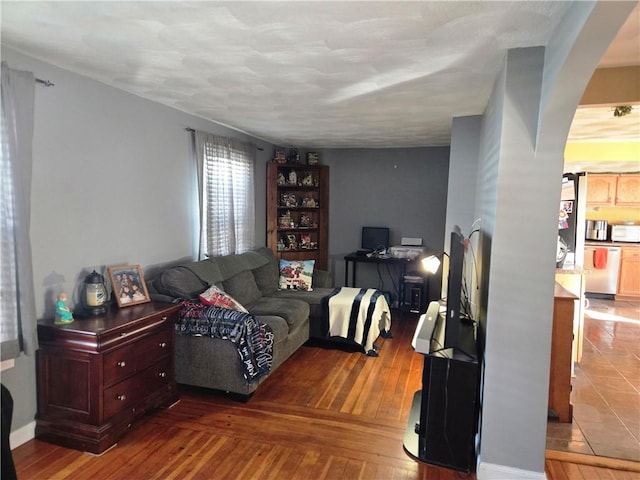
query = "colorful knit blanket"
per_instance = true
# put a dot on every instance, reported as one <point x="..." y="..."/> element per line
<point x="253" y="339"/>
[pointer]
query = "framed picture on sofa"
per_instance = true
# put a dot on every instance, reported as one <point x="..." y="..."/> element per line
<point x="128" y="287"/>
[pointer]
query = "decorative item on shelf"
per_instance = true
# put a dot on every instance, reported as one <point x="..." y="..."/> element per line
<point x="309" y="202"/>
<point x="284" y="221"/>
<point x="280" y="245"/>
<point x="281" y="179"/>
<point x="292" y="242"/>
<point x="305" y="221"/>
<point x="94" y="296"/>
<point x="128" y="285"/>
<point x="279" y="156"/>
<point x="308" y="180"/>
<point x="293" y="178"/>
<point x="312" y="158"/>
<point x="294" y="156"/>
<point x="63" y="312"/>
<point x="288" y="199"/>
<point x="305" y="241"/>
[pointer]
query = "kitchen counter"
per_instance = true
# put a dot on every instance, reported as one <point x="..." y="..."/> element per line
<point x="607" y="243"/>
<point x="573" y="279"/>
<point x="571" y="270"/>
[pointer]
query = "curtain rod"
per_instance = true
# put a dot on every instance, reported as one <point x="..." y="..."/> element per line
<point x="189" y="129"/>
<point x="46" y="83"/>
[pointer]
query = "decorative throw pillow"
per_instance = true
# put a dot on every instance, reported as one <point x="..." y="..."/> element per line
<point x="296" y="274"/>
<point x="217" y="297"/>
<point x="180" y="282"/>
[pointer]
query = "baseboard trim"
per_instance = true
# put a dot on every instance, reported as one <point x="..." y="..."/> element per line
<point x="491" y="471"/>
<point x="22" y="435"/>
<point x="593" y="460"/>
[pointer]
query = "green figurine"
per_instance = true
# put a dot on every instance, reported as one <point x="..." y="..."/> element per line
<point x="63" y="312"/>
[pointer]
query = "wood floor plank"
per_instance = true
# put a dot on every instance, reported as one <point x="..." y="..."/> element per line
<point x="325" y="413"/>
<point x="288" y="464"/>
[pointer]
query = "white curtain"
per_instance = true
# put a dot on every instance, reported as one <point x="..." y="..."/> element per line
<point x="17" y="300"/>
<point x="226" y="188"/>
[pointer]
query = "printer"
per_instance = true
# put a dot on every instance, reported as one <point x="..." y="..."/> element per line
<point x="410" y="248"/>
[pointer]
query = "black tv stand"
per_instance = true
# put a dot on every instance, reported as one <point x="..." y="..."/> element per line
<point x="443" y="420"/>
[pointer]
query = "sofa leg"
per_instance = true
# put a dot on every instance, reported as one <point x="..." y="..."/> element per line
<point x="239" y="397"/>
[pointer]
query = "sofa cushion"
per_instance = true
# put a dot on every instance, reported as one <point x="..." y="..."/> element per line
<point x="313" y="299"/>
<point x="243" y="288"/>
<point x="278" y="325"/>
<point x="232" y="265"/>
<point x="179" y="282"/>
<point x="267" y="277"/>
<point x="207" y="270"/>
<point x="296" y="274"/>
<point x="292" y="310"/>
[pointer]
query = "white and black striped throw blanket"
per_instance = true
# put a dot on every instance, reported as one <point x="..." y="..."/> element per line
<point x="253" y="339"/>
<point x="358" y="314"/>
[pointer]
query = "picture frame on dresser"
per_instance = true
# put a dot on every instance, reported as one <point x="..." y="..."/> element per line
<point x="127" y="284"/>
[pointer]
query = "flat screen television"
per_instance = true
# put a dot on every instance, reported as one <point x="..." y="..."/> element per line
<point x="374" y="238"/>
<point x="452" y="329"/>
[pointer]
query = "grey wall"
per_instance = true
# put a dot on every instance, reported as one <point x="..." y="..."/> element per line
<point x="112" y="184"/>
<point x="520" y="289"/>
<point x="463" y="175"/>
<point x="402" y="189"/>
<point x="522" y="138"/>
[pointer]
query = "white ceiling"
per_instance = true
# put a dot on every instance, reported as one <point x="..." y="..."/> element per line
<point x="307" y="74"/>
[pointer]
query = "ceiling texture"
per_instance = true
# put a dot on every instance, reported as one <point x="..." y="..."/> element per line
<point x="307" y="74"/>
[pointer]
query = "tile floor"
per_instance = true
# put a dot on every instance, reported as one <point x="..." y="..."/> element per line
<point x="606" y="386"/>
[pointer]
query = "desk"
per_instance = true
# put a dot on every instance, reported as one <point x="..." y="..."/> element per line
<point x="355" y="259"/>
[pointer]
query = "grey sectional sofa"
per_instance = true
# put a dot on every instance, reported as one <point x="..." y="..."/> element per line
<point x="251" y="278"/>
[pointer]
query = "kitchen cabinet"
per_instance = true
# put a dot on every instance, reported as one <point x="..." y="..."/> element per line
<point x="628" y="190"/>
<point x="613" y="190"/>
<point x="629" y="280"/>
<point x="601" y="190"/>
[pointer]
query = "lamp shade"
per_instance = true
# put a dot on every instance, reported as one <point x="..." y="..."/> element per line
<point x="431" y="263"/>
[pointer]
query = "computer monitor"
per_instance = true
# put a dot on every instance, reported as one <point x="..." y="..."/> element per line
<point x="374" y="238"/>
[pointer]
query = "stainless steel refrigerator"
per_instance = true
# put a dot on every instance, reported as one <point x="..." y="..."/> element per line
<point x="571" y="217"/>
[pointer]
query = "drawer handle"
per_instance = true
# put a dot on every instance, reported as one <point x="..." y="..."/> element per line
<point x="121" y="397"/>
<point x="162" y="374"/>
<point x="122" y="363"/>
<point x="164" y="317"/>
<point x="162" y="344"/>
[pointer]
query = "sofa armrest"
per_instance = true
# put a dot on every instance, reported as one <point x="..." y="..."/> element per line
<point x="321" y="279"/>
<point x="159" y="297"/>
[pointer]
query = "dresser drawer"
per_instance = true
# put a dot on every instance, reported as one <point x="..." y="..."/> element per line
<point x="132" y="358"/>
<point x="119" y="364"/>
<point x="151" y="349"/>
<point x="133" y="390"/>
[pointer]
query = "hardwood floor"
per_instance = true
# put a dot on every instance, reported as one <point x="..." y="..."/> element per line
<point x="324" y="414"/>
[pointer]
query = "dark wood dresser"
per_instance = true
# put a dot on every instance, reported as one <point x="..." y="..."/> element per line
<point x="97" y="375"/>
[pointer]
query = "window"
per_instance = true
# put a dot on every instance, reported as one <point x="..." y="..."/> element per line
<point x="227" y="195"/>
<point x="17" y="302"/>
